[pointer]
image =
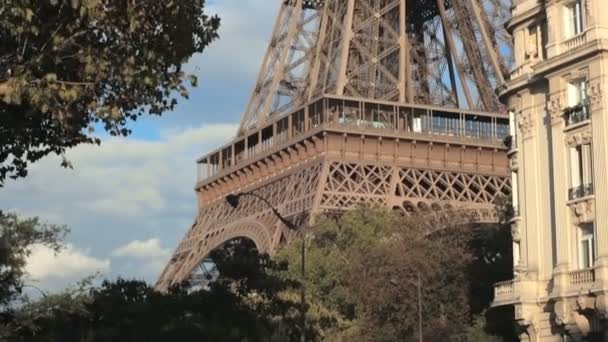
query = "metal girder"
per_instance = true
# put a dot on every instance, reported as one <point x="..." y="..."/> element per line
<point x="385" y="50"/>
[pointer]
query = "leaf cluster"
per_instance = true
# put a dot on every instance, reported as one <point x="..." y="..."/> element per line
<point x="17" y="236"/>
<point x="68" y="66"/>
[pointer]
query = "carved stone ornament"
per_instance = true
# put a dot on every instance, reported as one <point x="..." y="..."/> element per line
<point x="555" y="110"/>
<point x="516" y="232"/>
<point x="595" y="93"/>
<point x="579" y="138"/>
<point x="563" y="314"/>
<point x="568" y="315"/>
<point x="584" y="302"/>
<point x="526" y="122"/>
<point x="589" y="12"/>
<point x="583" y="211"/>
<point x="514" y="162"/>
<point x="526" y="322"/>
<point x="601" y="306"/>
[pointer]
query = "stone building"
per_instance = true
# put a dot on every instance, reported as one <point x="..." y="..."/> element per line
<point x="559" y="159"/>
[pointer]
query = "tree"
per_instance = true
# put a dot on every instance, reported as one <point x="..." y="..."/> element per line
<point x="68" y="66"/>
<point x="242" y="304"/>
<point x="477" y="333"/>
<point x="17" y="236"/>
<point x="362" y="274"/>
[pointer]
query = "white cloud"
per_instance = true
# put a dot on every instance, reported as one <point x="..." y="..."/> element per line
<point x="143" y="258"/>
<point x="128" y="190"/>
<point x="124" y="177"/>
<point x="70" y="263"/>
<point x="246" y="26"/>
<point x="118" y="194"/>
<point x="142" y="250"/>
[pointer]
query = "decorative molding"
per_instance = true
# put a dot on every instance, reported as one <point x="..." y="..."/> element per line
<point x="595" y="93"/>
<point x="568" y="314"/>
<point x="526" y="122"/>
<point x="579" y="138"/>
<point x="589" y="12"/>
<point x="583" y="212"/>
<point x="556" y="111"/>
<point x="514" y="162"/>
<point x="527" y="323"/>
<point x="601" y="306"/>
<point x="563" y="314"/>
<point x="516" y="231"/>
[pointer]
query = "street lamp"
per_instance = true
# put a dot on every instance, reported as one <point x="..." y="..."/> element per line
<point x="234" y="200"/>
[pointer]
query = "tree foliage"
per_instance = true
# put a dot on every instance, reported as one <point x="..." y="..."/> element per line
<point x="67" y="66"/>
<point x="240" y="305"/>
<point x="362" y="275"/>
<point x="362" y="271"/>
<point x="17" y="236"/>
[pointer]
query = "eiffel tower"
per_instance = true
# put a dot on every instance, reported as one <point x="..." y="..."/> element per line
<point x="389" y="102"/>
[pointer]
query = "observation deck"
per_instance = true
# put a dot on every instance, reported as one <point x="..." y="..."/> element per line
<point x="352" y="116"/>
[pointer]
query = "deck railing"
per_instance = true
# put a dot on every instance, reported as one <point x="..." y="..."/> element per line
<point x="357" y="114"/>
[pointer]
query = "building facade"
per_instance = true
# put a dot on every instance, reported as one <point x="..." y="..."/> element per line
<point x="559" y="160"/>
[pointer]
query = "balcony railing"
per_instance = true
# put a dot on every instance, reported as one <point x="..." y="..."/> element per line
<point x="503" y="290"/>
<point x="345" y="113"/>
<point x="578" y="113"/>
<point x="574" y="42"/>
<point x="580" y="191"/>
<point x="582" y="277"/>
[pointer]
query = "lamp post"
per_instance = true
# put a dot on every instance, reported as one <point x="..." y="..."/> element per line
<point x="233" y="200"/>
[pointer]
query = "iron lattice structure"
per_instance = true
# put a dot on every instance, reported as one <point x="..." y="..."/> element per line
<point x="414" y="51"/>
<point x="389" y="102"/>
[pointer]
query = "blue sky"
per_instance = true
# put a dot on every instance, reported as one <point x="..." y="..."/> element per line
<point x="129" y="202"/>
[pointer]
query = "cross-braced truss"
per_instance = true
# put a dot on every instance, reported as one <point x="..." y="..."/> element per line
<point x="350" y="184"/>
<point x="218" y="222"/>
<point x="329" y="186"/>
<point x="443" y="52"/>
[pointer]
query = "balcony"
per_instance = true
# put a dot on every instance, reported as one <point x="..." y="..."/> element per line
<point x="504" y="291"/>
<point x="586" y="276"/>
<point x="575" y="42"/>
<point x="580" y="192"/>
<point x="577" y="114"/>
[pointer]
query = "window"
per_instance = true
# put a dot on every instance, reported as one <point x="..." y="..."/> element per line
<point x="577" y="92"/>
<point x="580" y="171"/>
<point x="578" y="107"/>
<point x="574" y="19"/>
<point x="532" y="43"/>
<point x="586" y="246"/>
